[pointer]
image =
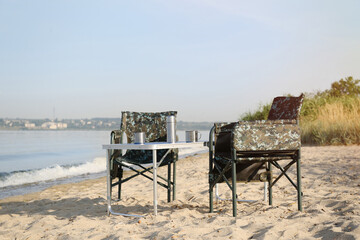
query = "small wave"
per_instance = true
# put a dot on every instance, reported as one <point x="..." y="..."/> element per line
<point x="57" y="172"/>
<point x="52" y="173"/>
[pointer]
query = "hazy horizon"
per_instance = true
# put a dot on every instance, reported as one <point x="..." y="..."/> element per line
<point x="114" y="118"/>
<point x="209" y="60"/>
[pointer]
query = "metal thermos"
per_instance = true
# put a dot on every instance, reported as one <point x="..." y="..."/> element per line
<point x="170" y="127"/>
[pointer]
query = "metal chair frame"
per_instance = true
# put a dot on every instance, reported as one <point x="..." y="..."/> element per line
<point x="269" y="158"/>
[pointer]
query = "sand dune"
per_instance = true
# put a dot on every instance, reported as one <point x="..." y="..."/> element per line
<point x="331" y="202"/>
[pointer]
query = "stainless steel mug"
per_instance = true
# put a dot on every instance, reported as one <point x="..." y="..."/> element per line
<point x="139" y="138"/>
<point x="192" y="136"/>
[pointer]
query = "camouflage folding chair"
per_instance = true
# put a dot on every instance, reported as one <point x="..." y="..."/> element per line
<point x="140" y="161"/>
<point x="246" y="151"/>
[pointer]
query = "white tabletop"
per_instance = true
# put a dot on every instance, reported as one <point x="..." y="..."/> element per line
<point x="155" y="145"/>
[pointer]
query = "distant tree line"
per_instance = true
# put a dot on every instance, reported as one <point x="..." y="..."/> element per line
<point x="85" y="124"/>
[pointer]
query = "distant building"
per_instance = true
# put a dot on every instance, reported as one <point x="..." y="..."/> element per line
<point x="30" y="125"/>
<point x="54" y="125"/>
<point x="62" y="125"/>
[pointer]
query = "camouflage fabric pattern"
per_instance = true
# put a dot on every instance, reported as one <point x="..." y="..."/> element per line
<point x="286" y="108"/>
<point x="279" y="132"/>
<point x="266" y="135"/>
<point x="154" y="126"/>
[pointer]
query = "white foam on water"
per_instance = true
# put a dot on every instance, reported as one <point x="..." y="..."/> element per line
<point x="52" y="173"/>
<point x="58" y="172"/>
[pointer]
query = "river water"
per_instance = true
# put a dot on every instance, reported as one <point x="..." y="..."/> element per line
<point x="34" y="160"/>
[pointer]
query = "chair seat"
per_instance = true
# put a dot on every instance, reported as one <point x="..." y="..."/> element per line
<point x="145" y="157"/>
<point x="256" y="156"/>
<point x="245" y="172"/>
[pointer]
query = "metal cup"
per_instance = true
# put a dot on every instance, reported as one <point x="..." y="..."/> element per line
<point x="192" y="136"/>
<point x="139" y="138"/>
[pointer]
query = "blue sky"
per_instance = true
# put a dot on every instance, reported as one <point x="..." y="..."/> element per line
<point x="209" y="60"/>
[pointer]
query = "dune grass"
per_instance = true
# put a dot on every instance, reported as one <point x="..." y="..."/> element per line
<point x="331" y="121"/>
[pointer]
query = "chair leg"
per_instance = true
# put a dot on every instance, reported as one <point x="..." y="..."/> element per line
<point x="120" y="174"/>
<point x="234" y="198"/>
<point x="174" y="180"/>
<point x="119" y="191"/>
<point x="211" y="197"/>
<point x="298" y="170"/>
<point x="111" y="182"/>
<point x="169" y="183"/>
<point x="270" y="183"/>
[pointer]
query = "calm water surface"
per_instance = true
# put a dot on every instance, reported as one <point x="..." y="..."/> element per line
<point x="33" y="160"/>
<point x="28" y="150"/>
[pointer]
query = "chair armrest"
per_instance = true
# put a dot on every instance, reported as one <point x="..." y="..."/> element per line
<point x="223" y="127"/>
<point x="266" y="135"/>
<point x="115" y="136"/>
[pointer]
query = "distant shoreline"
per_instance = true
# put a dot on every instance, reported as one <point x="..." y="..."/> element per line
<point x="93" y="124"/>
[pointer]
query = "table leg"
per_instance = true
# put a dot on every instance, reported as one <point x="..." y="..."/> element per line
<point x="155" y="181"/>
<point x="108" y="182"/>
<point x="108" y="188"/>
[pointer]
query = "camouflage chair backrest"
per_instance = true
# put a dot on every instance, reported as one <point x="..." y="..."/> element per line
<point x="286" y="108"/>
<point x="153" y="124"/>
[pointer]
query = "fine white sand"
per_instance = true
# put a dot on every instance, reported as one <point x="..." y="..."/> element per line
<point x="331" y="202"/>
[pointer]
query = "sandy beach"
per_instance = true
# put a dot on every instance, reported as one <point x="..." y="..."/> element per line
<point x="331" y="203"/>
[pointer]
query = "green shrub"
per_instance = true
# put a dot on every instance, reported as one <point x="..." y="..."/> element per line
<point x="260" y="114"/>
